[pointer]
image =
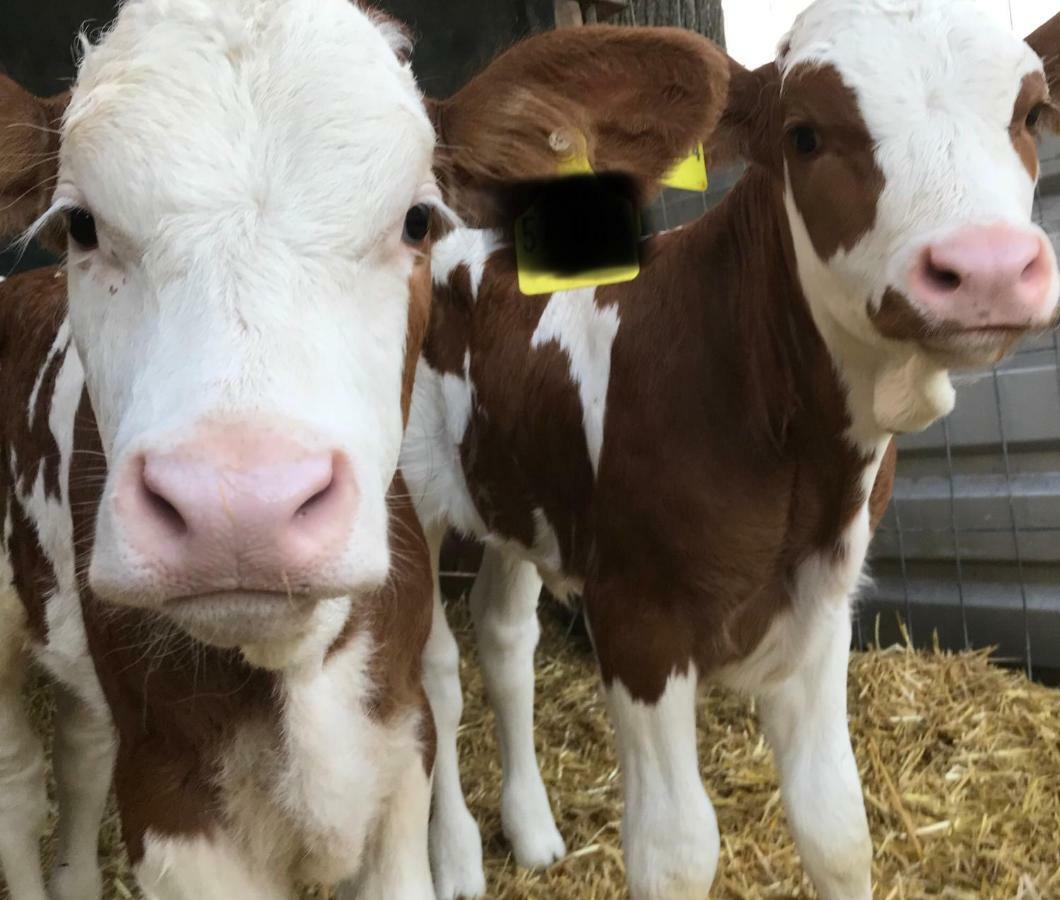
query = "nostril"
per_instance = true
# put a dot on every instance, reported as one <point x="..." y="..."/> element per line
<point x="941" y="278"/>
<point x="1033" y="269"/>
<point x="316" y="500"/>
<point x="165" y="511"/>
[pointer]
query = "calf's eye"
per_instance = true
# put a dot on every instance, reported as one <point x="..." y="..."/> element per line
<point x="804" y="139"/>
<point x="1034" y="115"/>
<point x="82" y="228"/>
<point x="417" y="224"/>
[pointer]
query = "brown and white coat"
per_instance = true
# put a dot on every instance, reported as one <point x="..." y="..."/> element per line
<point x="207" y="541"/>
<point x="704" y="453"/>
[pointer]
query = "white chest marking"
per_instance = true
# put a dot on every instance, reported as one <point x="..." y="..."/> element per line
<point x="586" y="334"/>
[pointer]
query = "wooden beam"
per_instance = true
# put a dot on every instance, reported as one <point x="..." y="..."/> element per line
<point x="607" y="9"/>
<point x="568" y="13"/>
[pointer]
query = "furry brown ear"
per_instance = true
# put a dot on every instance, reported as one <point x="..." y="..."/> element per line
<point x="1045" y="41"/>
<point x="640" y="98"/>
<point x="749" y="125"/>
<point x="29" y="160"/>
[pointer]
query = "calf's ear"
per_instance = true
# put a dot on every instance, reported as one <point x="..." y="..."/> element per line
<point x="1045" y="41"/>
<point x="635" y="100"/>
<point x="29" y="160"/>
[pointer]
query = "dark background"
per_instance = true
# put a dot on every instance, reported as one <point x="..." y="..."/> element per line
<point x="454" y="39"/>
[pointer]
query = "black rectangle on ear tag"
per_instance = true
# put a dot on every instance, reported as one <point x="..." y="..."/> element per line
<point x="579" y="231"/>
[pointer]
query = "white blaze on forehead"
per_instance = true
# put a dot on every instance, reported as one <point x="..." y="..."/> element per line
<point x="293" y="119"/>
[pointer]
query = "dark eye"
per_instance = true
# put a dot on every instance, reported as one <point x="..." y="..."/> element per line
<point x="804" y="139"/>
<point x="417" y="224"/>
<point x="1034" y="115"/>
<point x="82" y="228"/>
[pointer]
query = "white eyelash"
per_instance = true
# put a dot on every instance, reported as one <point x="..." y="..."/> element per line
<point x="58" y="206"/>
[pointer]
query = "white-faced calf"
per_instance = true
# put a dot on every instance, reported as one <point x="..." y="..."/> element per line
<point x="694" y="451"/>
<point x="206" y="539"/>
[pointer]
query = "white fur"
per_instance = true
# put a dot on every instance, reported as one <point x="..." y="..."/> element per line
<point x="430" y="454"/>
<point x="469" y="247"/>
<point x="252" y="270"/>
<point x="84" y="744"/>
<point x="669" y="829"/>
<point x="201" y="868"/>
<point x="83" y="755"/>
<point x="455" y="844"/>
<point x="585" y="332"/>
<point x="268" y="238"/>
<point x="504" y="607"/>
<point x="295" y="805"/>
<point x="23" y="802"/>
<point x="935" y="83"/>
<point x="805" y="720"/>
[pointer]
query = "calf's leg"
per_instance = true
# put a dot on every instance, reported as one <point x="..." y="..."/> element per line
<point x="805" y="721"/>
<point x="504" y="607"/>
<point x="669" y="830"/>
<point x="23" y="802"/>
<point x="83" y="759"/>
<point x="455" y="843"/>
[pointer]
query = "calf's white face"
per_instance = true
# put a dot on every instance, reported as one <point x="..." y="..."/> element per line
<point x="909" y="156"/>
<point x="248" y="185"/>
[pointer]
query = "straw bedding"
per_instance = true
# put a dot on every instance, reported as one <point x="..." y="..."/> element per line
<point x="960" y="762"/>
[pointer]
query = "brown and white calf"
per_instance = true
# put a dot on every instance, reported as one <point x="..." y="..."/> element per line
<point x="694" y="451"/>
<point x="206" y="540"/>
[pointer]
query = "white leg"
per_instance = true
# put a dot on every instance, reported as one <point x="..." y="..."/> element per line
<point x="396" y="864"/>
<point x="455" y="844"/>
<point x="805" y="721"/>
<point x="202" y="868"/>
<point x="669" y="830"/>
<point x="504" y="606"/>
<point x="23" y="802"/>
<point x="83" y="759"/>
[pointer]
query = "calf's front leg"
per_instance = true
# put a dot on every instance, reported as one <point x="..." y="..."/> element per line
<point x="504" y="607"/>
<point x="804" y="718"/>
<point x="669" y="829"/>
<point x="23" y="802"/>
<point x="455" y="843"/>
<point x="83" y="759"/>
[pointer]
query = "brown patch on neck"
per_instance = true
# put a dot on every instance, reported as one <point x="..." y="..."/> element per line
<point x="450" y="326"/>
<point x="32" y="308"/>
<point x="837" y="188"/>
<point x="1033" y="92"/>
<point x="883" y="486"/>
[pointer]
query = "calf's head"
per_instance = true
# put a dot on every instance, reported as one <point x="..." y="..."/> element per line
<point x="904" y="135"/>
<point x="249" y="193"/>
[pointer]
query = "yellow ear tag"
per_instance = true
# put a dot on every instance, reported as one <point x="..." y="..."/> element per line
<point x="539" y="273"/>
<point x="580" y="231"/>
<point x="690" y="174"/>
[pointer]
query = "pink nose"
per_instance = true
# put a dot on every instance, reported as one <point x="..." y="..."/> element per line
<point x="238" y="509"/>
<point x="987" y="276"/>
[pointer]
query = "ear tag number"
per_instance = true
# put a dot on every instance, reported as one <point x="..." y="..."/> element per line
<point x="579" y="231"/>
<point x="690" y="174"/>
